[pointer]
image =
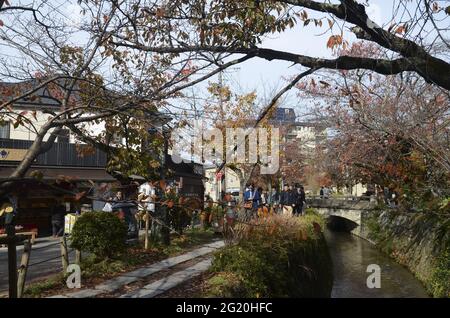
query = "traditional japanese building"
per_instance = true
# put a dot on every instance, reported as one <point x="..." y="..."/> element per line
<point x="61" y="173"/>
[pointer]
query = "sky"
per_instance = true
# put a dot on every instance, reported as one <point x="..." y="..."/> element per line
<point x="265" y="77"/>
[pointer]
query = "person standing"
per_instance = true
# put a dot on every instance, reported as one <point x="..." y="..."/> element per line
<point x="326" y="192"/>
<point x="146" y="207"/>
<point x="58" y="215"/>
<point x="293" y="197"/>
<point x="146" y="197"/>
<point x="118" y="196"/>
<point x="302" y="200"/>
<point x="251" y="201"/>
<point x="297" y="200"/>
<point x="272" y="200"/>
<point x="321" y="193"/>
<point x="286" y="201"/>
<point x="263" y="210"/>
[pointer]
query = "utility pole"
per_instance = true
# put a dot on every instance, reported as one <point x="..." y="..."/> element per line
<point x="222" y="119"/>
<point x="160" y="227"/>
<point x="165" y="231"/>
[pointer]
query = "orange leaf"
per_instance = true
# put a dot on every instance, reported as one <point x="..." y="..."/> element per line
<point x="331" y="42"/>
<point x="160" y="12"/>
<point x="79" y="195"/>
<point x="400" y="29"/>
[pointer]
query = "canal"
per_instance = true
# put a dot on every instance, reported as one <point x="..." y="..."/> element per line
<point x="351" y="256"/>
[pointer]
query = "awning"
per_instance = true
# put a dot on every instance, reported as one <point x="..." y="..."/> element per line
<point x="75" y="174"/>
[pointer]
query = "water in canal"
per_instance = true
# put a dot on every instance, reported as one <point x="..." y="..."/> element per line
<point x="351" y="256"/>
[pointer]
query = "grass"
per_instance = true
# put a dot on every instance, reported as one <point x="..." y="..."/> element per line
<point x="275" y="257"/>
<point x="36" y="289"/>
<point x="95" y="269"/>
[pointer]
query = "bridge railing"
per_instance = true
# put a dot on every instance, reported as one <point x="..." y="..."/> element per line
<point x="341" y="198"/>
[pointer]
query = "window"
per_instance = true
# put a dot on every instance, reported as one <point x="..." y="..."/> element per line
<point x="5" y="130"/>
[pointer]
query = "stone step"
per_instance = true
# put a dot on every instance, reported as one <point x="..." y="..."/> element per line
<point x="169" y="282"/>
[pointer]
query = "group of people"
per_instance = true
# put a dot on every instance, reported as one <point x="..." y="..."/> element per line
<point x="324" y="192"/>
<point x="290" y="201"/>
<point x="293" y="199"/>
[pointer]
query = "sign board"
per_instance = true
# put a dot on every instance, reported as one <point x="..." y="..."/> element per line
<point x="7" y="154"/>
<point x="69" y="223"/>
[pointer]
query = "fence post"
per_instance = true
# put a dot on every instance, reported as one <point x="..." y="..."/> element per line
<point x="78" y="257"/>
<point x="12" y="260"/>
<point x="146" y="236"/>
<point x="23" y="268"/>
<point x="64" y="254"/>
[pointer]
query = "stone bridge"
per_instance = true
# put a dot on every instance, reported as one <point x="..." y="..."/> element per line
<point x="344" y="214"/>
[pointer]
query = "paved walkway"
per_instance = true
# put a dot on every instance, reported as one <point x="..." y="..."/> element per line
<point x="157" y="287"/>
<point x="45" y="259"/>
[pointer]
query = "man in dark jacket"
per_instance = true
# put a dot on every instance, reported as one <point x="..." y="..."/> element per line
<point x="294" y="199"/>
<point x="302" y="198"/>
<point x="297" y="199"/>
<point x="286" y="200"/>
<point x="58" y="215"/>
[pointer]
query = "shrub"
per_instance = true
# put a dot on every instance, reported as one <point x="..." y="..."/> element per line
<point x="226" y="285"/>
<point x="100" y="233"/>
<point x="275" y="257"/>
<point x="440" y="280"/>
<point x="179" y="214"/>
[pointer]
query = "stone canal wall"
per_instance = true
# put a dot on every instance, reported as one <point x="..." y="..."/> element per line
<point x="419" y="241"/>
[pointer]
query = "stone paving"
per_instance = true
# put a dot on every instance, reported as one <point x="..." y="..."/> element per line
<point x="166" y="283"/>
<point x="159" y="286"/>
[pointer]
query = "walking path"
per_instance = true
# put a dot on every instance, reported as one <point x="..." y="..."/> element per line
<point x="157" y="287"/>
<point x="45" y="259"/>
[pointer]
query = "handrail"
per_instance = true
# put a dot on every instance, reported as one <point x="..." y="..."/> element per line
<point x="340" y="198"/>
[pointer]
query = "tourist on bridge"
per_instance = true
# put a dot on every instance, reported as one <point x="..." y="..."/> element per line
<point x="326" y="192"/>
